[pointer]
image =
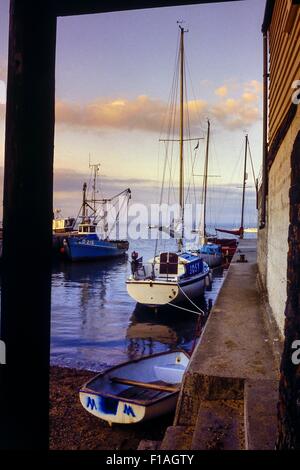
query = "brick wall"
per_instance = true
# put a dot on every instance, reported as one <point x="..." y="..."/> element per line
<point x="289" y="393"/>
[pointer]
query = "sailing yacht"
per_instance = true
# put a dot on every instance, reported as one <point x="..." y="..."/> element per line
<point x="210" y="252"/>
<point x="239" y="232"/>
<point x="171" y="277"/>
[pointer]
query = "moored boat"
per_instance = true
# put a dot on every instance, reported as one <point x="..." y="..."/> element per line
<point x="88" y="246"/>
<point x="171" y="277"/>
<point x="168" y="278"/>
<point x="90" y="241"/>
<point x="229" y="245"/>
<point x="137" y="390"/>
<point x="211" y="253"/>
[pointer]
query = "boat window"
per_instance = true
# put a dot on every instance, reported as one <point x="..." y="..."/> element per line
<point x="168" y="263"/>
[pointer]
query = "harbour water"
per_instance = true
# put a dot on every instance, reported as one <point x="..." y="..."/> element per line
<point x="96" y="324"/>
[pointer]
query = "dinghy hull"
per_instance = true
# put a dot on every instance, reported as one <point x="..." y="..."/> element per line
<point x="120" y="411"/>
<point x="136" y="391"/>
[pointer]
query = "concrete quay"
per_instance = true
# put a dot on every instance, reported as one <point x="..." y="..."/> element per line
<point x="229" y="395"/>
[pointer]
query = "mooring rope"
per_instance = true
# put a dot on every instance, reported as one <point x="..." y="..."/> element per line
<point x="200" y="311"/>
<point x="186" y="309"/>
<point x="190" y="300"/>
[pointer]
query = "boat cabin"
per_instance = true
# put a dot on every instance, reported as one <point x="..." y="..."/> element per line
<point x="211" y="249"/>
<point x="170" y="265"/>
<point x="87" y="228"/>
<point x="63" y="225"/>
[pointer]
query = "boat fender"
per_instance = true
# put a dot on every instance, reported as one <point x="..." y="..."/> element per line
<point x="210" y="276"/>
<point x="207" y="281"/>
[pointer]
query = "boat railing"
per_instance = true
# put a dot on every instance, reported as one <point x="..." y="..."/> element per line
<point x="151" y="270"/>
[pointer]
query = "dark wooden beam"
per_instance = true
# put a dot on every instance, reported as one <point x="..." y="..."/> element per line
<point x="269" y="8"/>
<point x="84" y="7"/>
<point x="27" y="226"/>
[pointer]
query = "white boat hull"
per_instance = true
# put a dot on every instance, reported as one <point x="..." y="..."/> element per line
<point x="137" y="390"/>
<point x="155" y="293"/>
<point x="127" y="412"/>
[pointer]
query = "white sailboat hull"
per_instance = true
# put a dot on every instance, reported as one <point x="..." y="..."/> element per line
<point x="155" y="293"/>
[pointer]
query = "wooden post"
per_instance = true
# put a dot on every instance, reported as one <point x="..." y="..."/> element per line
<point x="27" y="221"/>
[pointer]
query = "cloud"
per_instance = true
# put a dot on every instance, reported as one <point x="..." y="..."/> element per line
<point x="253" y="86"/>
<point x="142" y="113"/>
<point x="222" y="91"/>
<point x="240" y="111"/>
<point x="235" y="113"/>
<point x="235" y="107"/>
<point x="67" y="180"/>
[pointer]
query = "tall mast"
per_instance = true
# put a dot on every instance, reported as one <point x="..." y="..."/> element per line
<point x="84" y="211"/>
<point x="95" y="170"/>
<point x="181" y="166"/>
<point x="244" y="188"/>
<point x="205" y="182"/>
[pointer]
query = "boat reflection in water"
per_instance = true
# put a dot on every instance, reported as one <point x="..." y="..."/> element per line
<point x="173" y="330"/>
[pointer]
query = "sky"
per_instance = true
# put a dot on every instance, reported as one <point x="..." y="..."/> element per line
<point x="113" y="78"/>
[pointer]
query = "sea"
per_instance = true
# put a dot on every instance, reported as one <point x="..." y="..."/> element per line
<point x="95" y="324"/>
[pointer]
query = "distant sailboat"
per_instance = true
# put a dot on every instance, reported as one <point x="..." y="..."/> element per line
<point x="210" y="252"/>
<point x="239" y="232"/>
<point x="171" y="277"/>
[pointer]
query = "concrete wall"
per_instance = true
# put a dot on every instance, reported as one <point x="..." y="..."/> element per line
<point x="273" y="240"/>
<point x="278" y="224"/>
<point x="262" y="247"/>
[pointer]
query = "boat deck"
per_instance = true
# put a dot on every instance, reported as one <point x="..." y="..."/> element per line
<point x="139" y="393"/>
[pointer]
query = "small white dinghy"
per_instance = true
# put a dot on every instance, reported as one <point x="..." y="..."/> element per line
<point x="137" y="390"/>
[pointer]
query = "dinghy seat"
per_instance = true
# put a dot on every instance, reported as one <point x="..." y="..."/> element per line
<point x="170" y="373"/>
<point x="142" y="394"/>
<point x="145" y="391"/>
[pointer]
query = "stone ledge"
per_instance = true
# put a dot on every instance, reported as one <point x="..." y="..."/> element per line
<point x="177" y="438"/>
<point x="219" y="426"/>
<point x="260" y="402"/>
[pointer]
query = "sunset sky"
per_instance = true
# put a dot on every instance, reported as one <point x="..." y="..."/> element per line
<point x="113" y="78"/>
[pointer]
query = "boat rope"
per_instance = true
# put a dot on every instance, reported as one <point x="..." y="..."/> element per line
<point x="190" y="300"/>
<point x="185" y="309"/>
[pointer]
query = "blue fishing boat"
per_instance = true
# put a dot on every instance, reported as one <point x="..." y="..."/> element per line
<point x="88" y="246"/>
<point x="92" y="242"/>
